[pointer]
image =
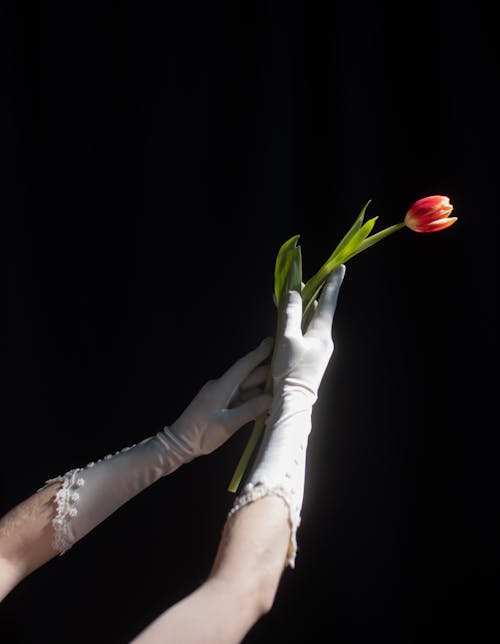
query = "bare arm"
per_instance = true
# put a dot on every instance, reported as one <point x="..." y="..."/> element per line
<point x="26" y="536"/>
<point x="242" y="584"/>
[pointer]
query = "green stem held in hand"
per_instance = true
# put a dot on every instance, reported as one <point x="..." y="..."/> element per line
<point x="425" y="215"/>
<point x="257" y="430"/>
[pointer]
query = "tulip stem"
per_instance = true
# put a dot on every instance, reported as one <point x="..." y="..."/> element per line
<point x="373" y="239"/>
<point x="260" y="422"/>
<point x="257" y="429"/>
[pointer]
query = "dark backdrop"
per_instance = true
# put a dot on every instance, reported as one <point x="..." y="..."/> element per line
<point x="156" y="155"/>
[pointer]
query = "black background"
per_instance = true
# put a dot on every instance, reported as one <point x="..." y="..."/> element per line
<point x="156" y="155"/>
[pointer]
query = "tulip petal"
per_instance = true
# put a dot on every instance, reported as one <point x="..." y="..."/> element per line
<point x="435" y="226"/>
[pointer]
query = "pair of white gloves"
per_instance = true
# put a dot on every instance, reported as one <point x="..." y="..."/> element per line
<point x="88" y="495"/>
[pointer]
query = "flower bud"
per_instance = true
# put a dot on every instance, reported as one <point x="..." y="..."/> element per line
<point x="430" y="214"/>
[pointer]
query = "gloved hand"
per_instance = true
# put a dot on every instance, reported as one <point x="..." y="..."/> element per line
<point x="221" y="407"/>
<point x="89" y="495"/>
<point x="299" y="364"/>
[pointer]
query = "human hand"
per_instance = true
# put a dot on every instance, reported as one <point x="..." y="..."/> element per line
<point x="223" y="406"/>
<point x="302" y="357"/>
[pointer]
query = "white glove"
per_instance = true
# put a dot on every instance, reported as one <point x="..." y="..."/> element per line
<point x="298" y="368"/>
<point x="89" y="495"/>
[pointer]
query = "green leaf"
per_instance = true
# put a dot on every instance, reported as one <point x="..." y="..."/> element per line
<point x="293" y="280"/>
<point x="351" y="232"/>
<point x="285" y="258"/>
<point x="354" y="236"/>
<point x="348" y="247"/>
<point x="354" y="243"/>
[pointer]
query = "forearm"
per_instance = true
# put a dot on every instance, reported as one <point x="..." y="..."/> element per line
<point x="66" y="508"/>
<point x="252" y="551"/>
<point x="26" y="537"/>
<point x="242" y="584"/>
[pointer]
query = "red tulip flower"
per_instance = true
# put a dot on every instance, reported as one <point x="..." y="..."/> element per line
<point x="427" y="215"/>
<point x="430" y="214"/>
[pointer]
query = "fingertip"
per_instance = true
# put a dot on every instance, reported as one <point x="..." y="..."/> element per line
<point x="337" y="276"/>
<point x="341" y="271"/>
<point x="267" y="344"/>
<point x="294" y="300"/>
<point x="292" y="312"/>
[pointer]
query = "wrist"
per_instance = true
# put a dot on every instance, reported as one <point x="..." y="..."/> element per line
<point x="279" y="468"/>
<point x="175" y="450"/>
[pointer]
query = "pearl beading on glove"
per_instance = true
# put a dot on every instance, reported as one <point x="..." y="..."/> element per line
<point x="66" y="501"/>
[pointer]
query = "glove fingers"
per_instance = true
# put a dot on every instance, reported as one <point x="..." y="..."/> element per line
<point x="309" y="315"/>
<point x="321" y="323"/>
<point x="250" y="410"/>
<point x="250" y="387"/>
<point x="245" y="395"/>
<point x="242" y="368"/>
<point x="292" y="315"/>
<point x="256" y="378"/>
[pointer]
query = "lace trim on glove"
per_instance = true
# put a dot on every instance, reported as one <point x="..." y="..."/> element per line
<point x="66" y="501"/>
<point x="253" y="492"/>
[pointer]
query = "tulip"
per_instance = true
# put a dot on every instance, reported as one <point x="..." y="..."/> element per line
<point x="430" y="214"/>
<point x="426" y="215"/>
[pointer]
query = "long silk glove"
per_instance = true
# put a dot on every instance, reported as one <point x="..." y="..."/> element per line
<point x="298" y="368"/>
<point x="89" y="495"/>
